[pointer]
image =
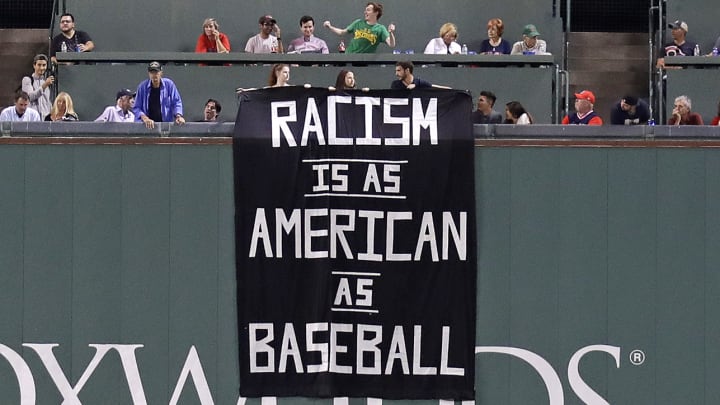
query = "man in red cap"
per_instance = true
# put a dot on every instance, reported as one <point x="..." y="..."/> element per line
<point x="268" y="40"/>
<point x="584" y="114"/>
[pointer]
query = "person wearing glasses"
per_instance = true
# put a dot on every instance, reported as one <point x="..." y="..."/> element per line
<point x="212" y="40"/>
<point x="268" y="40"/>
<point x="69" y="39"/>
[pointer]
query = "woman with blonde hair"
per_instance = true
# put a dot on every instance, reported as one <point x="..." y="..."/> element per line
<point x="446" y="43"/>
<point x="62" y="109"/>
<point x="495" y="44"/>
<point x="212" y="40"/>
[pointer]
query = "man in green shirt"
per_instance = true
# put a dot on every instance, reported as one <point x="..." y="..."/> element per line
<point x="368" y="33"/>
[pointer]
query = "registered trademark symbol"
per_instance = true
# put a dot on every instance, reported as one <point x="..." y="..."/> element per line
<point x="637" y="357"/>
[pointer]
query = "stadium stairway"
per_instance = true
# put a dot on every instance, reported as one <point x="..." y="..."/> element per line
<point x="610" y="64"/>
<point x="17" y="49"/>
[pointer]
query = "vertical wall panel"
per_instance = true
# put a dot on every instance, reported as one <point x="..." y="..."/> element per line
<point x="712" y="278"/>
<point x="581" y="213"/>
<point x="48" y="258"/>
<point x="12" y="179"/>
<point x="145" y="258"/>
<point x="632" y="255"/>
<point x="228" y="370"/>
<point x="96" y="272"/>
<point x="493" y="176"/>
<point x="193" y="258"/>
<point x="680" y="300"/>
<point x="534" y="265"/>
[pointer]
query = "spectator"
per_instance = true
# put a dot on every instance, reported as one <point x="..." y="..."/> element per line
<point x="446" y="43"/>
<point x="485" y="113"/>
<point x="265" y="41"/>
<point x="212" y="40"/>
<point x="515" y="114"/>
<point x="308" y="43"/>
<point x="279" y="75"/>
<point x="158" y="99"/>
<point x="530" y="44"/>
<point x="345" y="81"/>
<point x="716" y="120"/>
<point x="37" y="85"/>
<point x="75" y="41"/>
<point x="682" y="114"/>
<point x="20" y="111"/>
<point x="406" y="79"/>
<point x="122" y="110"/>
<point x="630" y="111"/>
<point x="584" y="114"/>
<point x="495" y="44"/>
<point x="367" y="33"/>
<point x="679" y="46"/>
<point x="211" y="112"/>
<point x="62" y="109"/>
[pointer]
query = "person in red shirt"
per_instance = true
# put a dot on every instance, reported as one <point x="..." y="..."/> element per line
<point x="716" y="120"/>
<point x="584" y="114"/>
<point x="212" y="40"/>
<point x="682" y="114"/>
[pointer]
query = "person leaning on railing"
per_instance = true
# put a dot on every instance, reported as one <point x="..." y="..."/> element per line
<point x="212" y="40"/>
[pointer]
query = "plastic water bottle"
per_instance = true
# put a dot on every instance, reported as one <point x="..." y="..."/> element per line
<point x="77" y="48"/>
<point x="715" y="52"/>
<point x="63" y="47"/>
<point x="696" y="52"/>
<point x="341" y="47"/>
<point x="651" y="122"/>
<point x="464" y="50"/>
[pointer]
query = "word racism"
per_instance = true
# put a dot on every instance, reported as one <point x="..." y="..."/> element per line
<point x="355" y="238"/>
<point x="285" y="112"/>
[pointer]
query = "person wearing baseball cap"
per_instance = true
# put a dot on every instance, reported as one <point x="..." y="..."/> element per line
<point x="122" y="110"/>
<point x="679" y="46"/>
<point x="158" y="99"/>
<point x="530" y="44"/>
<point x="584" y="114"/>
<point x="268" y="40"/>
<point x="630" y="110"/>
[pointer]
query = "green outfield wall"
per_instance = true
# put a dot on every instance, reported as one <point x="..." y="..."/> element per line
<point x="598" y="273"/>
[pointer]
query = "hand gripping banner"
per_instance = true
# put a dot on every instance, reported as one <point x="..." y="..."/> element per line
<point x="355" y="243"/>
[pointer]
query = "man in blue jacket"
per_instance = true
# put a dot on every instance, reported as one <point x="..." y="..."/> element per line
<point x="157" y="99"/>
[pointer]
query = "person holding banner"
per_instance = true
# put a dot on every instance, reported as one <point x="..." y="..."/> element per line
<point x="406" y="79"/>
<point x="279" y="75"/>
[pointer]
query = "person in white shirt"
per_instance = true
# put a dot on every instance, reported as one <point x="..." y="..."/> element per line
<point x="265" y="41"/>
<point x="20" y="111"/>
<point x="530" y="44"/>
<point x="446" y="43"/>
<point x="122" y="110"/>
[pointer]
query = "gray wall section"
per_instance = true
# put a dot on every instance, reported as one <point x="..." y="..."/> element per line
<point x="701" y="85"/>
<point x="165" y="25"/>
<point x="93" y="87"/>
<point x="577" y="247"/>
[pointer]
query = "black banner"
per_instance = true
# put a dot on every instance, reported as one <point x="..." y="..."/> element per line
<point x="355" y="243"/>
